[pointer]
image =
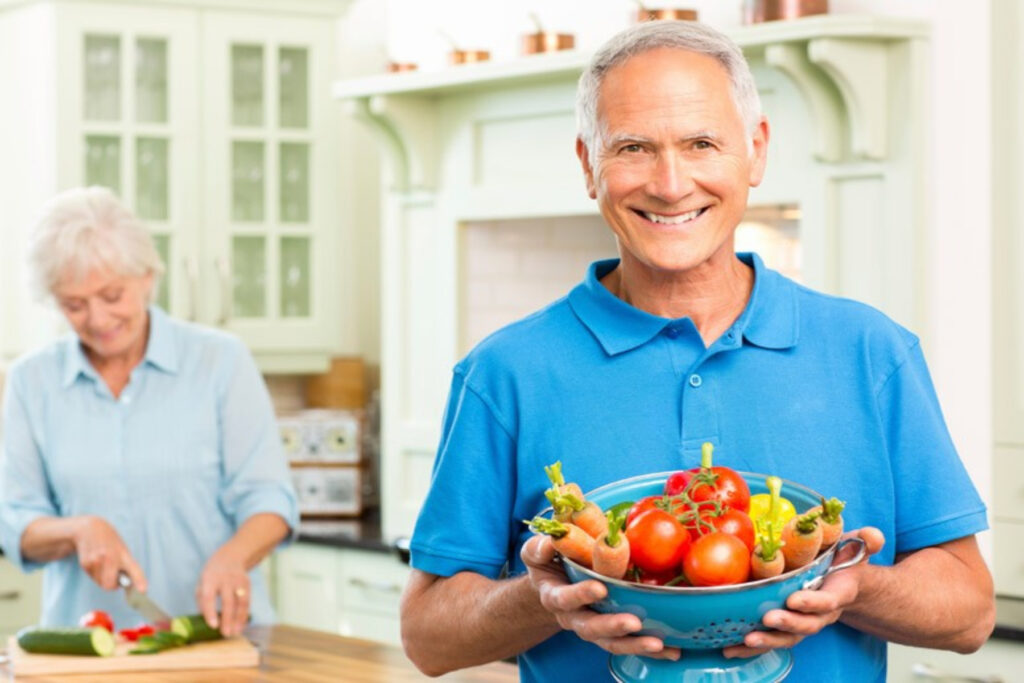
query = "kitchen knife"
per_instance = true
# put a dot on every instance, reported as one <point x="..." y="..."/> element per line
<point x="141" y="603"/>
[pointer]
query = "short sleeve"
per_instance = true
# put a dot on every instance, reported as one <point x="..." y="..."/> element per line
<point x="936" y="501"/>
<point x="464" y="522"/>
<point x="256" y="477"/>
<point x="25" y="492"/>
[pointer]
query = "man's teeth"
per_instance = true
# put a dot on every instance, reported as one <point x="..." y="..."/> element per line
<point x="672" y="220"/>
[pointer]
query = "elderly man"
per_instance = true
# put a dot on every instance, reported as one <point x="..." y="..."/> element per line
<point x="678" y="342"/>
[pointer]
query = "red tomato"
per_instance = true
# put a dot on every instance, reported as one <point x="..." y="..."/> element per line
<point x="737" y="524"/>
<point x="642" y="505"/>
<point x="717" y="559"/>
<point x="729" y="488"/>
<point x="657" y="541"/>
<point x="649" y="579"/>
<point x="97" y="618"/>
<point x="677" y="482"/>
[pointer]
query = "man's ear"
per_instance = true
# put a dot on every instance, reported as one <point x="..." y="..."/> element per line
<point x="588" y="171"/>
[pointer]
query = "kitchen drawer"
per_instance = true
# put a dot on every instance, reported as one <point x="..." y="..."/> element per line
<point x="20" y="598"/>
<point x="1008" y="483"/>
<point x="372" y="582"/>
<point x="1008" y="560"/>
<point x="997" y="660"/>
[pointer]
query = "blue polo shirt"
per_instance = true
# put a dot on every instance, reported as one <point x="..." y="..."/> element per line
<point x="815" y="389"/>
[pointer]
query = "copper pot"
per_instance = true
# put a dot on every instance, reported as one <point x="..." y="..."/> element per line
<point x="468" y="56"/>
<point x="547" y="41"/>
<point x="757" y="11"/>
<point x="670" y="14"/>
<point x="398" y="67"/>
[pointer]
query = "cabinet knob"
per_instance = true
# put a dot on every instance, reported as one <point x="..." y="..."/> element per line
<point x="10" y="595"/>
<point x="930" y="673"/>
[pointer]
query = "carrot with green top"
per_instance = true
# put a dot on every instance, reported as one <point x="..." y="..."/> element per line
<point x="767" y="559"/>
<point x="611" y="549"/>
<point x="584" y="514"/>
<point x="801" y="538"/>
<point x="568" y="539"/>
<point x="831" y="520"/>
<point x="554" y="473"/>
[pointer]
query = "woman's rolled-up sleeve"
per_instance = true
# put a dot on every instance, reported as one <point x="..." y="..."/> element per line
<point x="25" y="492"/>
<point x="256" y="476"/>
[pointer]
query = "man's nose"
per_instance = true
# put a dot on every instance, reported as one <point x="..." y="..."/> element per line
<point x="671" y="179"/>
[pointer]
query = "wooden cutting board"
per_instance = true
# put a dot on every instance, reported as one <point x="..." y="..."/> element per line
<point x="217" y="654"/>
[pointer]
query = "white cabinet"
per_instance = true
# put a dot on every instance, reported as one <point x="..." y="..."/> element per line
<point x="1008" y="296"/>
<point x="20" y="599"/>
<point x="216" y="126"/>
<point x="997" y="660"/>
<point x="350" y="592"/>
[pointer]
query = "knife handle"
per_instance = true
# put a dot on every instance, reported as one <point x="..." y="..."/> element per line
<point x="124" y="580"/>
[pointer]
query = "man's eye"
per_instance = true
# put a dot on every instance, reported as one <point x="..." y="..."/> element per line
<point x="632" y="148"/>
<point x="112" y="297"/>
<point x="703" y="144"/>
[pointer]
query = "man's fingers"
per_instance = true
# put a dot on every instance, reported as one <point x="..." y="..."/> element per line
<point x="537" y="551"/>
<point x="206" y="600"/>
<point x="135" y="573"/>
<point x="567" y="597"/>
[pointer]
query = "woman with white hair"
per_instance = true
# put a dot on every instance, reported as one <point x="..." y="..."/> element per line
<point x="137" y="443"/>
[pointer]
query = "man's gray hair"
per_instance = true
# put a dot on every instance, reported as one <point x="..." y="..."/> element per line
<point x="86" y="229"/>
<point x="684" y="35"/>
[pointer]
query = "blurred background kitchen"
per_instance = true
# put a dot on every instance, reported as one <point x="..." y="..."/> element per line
<point x="360" y="188"/>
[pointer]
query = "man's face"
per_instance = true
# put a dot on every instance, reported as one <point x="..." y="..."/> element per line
<point x="672" y="169"/>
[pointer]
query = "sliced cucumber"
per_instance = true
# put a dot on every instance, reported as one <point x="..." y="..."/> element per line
<point x="194" y="628"/>
<point x="95" y="641"/>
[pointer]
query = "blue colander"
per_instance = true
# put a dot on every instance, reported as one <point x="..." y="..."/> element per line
<point x="703" y="620"/>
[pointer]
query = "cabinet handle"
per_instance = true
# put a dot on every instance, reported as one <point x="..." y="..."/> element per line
<point x="930" y="673"/>
<point x="10" y="595"/>
<point x="225" y="290"/>
<point x="378" y="586"/>
<point x="192" y="274"/>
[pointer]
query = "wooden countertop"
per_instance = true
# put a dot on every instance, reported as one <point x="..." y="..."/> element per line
<point x="297" y="655"/>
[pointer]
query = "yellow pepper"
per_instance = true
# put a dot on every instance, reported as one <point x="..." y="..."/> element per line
<point x="761" y="506"/>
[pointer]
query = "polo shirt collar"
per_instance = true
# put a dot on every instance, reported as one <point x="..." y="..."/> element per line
<point x="770" y="318"/>
<point x="160" y="350"/>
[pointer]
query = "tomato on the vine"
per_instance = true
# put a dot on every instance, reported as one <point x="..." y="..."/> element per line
<point x="657" y="541"/>
<point x="717" y="559"/>
<point x="642" y="505"/>
<point x="677" y="482"/>
<point x="716" y="483"/>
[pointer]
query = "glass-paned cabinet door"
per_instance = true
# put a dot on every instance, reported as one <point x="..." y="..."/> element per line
<point x="275" y="151"/>
<point x="132" y="124"/>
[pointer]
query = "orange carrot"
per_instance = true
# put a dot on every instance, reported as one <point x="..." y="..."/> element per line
<point x="563" y="504"/>
<point x="554" y="473"/>
<point x="831" y="520"/>
<point x="591" y="519"/>
<point x="568" y="539"/>
<point x="611" y="549"/>
<point x="801" y="538"/>
<point x="767" y="559"/>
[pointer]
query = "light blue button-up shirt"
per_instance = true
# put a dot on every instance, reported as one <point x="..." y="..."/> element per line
<point x="187" y="453"/>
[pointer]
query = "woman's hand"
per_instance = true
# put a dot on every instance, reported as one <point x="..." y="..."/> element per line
<point x="809" y="611"/>
<point x="102" y="553"/>
<point x="570" y="602"/>
<point x="225" y="578"/>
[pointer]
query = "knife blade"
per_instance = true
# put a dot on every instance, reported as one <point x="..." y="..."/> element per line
<point x="141" y="603"/>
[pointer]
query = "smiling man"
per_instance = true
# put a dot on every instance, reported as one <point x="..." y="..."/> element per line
<point x="678" y="342"/>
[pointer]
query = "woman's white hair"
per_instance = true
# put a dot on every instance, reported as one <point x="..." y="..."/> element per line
<point x="84" y="230"/>
<point x="683" y="35"/>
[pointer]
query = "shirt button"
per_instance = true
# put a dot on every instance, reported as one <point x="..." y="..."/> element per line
<point x="695" y="381"/>
<point x="672" y="332"/>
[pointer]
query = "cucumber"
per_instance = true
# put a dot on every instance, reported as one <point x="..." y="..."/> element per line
<point x="194" y="628"/>
<point x="96" y="641"/>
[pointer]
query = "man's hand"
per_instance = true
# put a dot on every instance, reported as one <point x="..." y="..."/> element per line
<point x="809" y="611"/>
<point x="102" y="553"/>
<point x="569" y="603"/>
<point x="224" y="577"/>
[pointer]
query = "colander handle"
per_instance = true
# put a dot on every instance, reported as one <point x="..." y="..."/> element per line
<point x="862" y="552"/>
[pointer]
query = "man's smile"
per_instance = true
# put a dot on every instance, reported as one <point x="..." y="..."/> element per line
<point x="676" y="219"/>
